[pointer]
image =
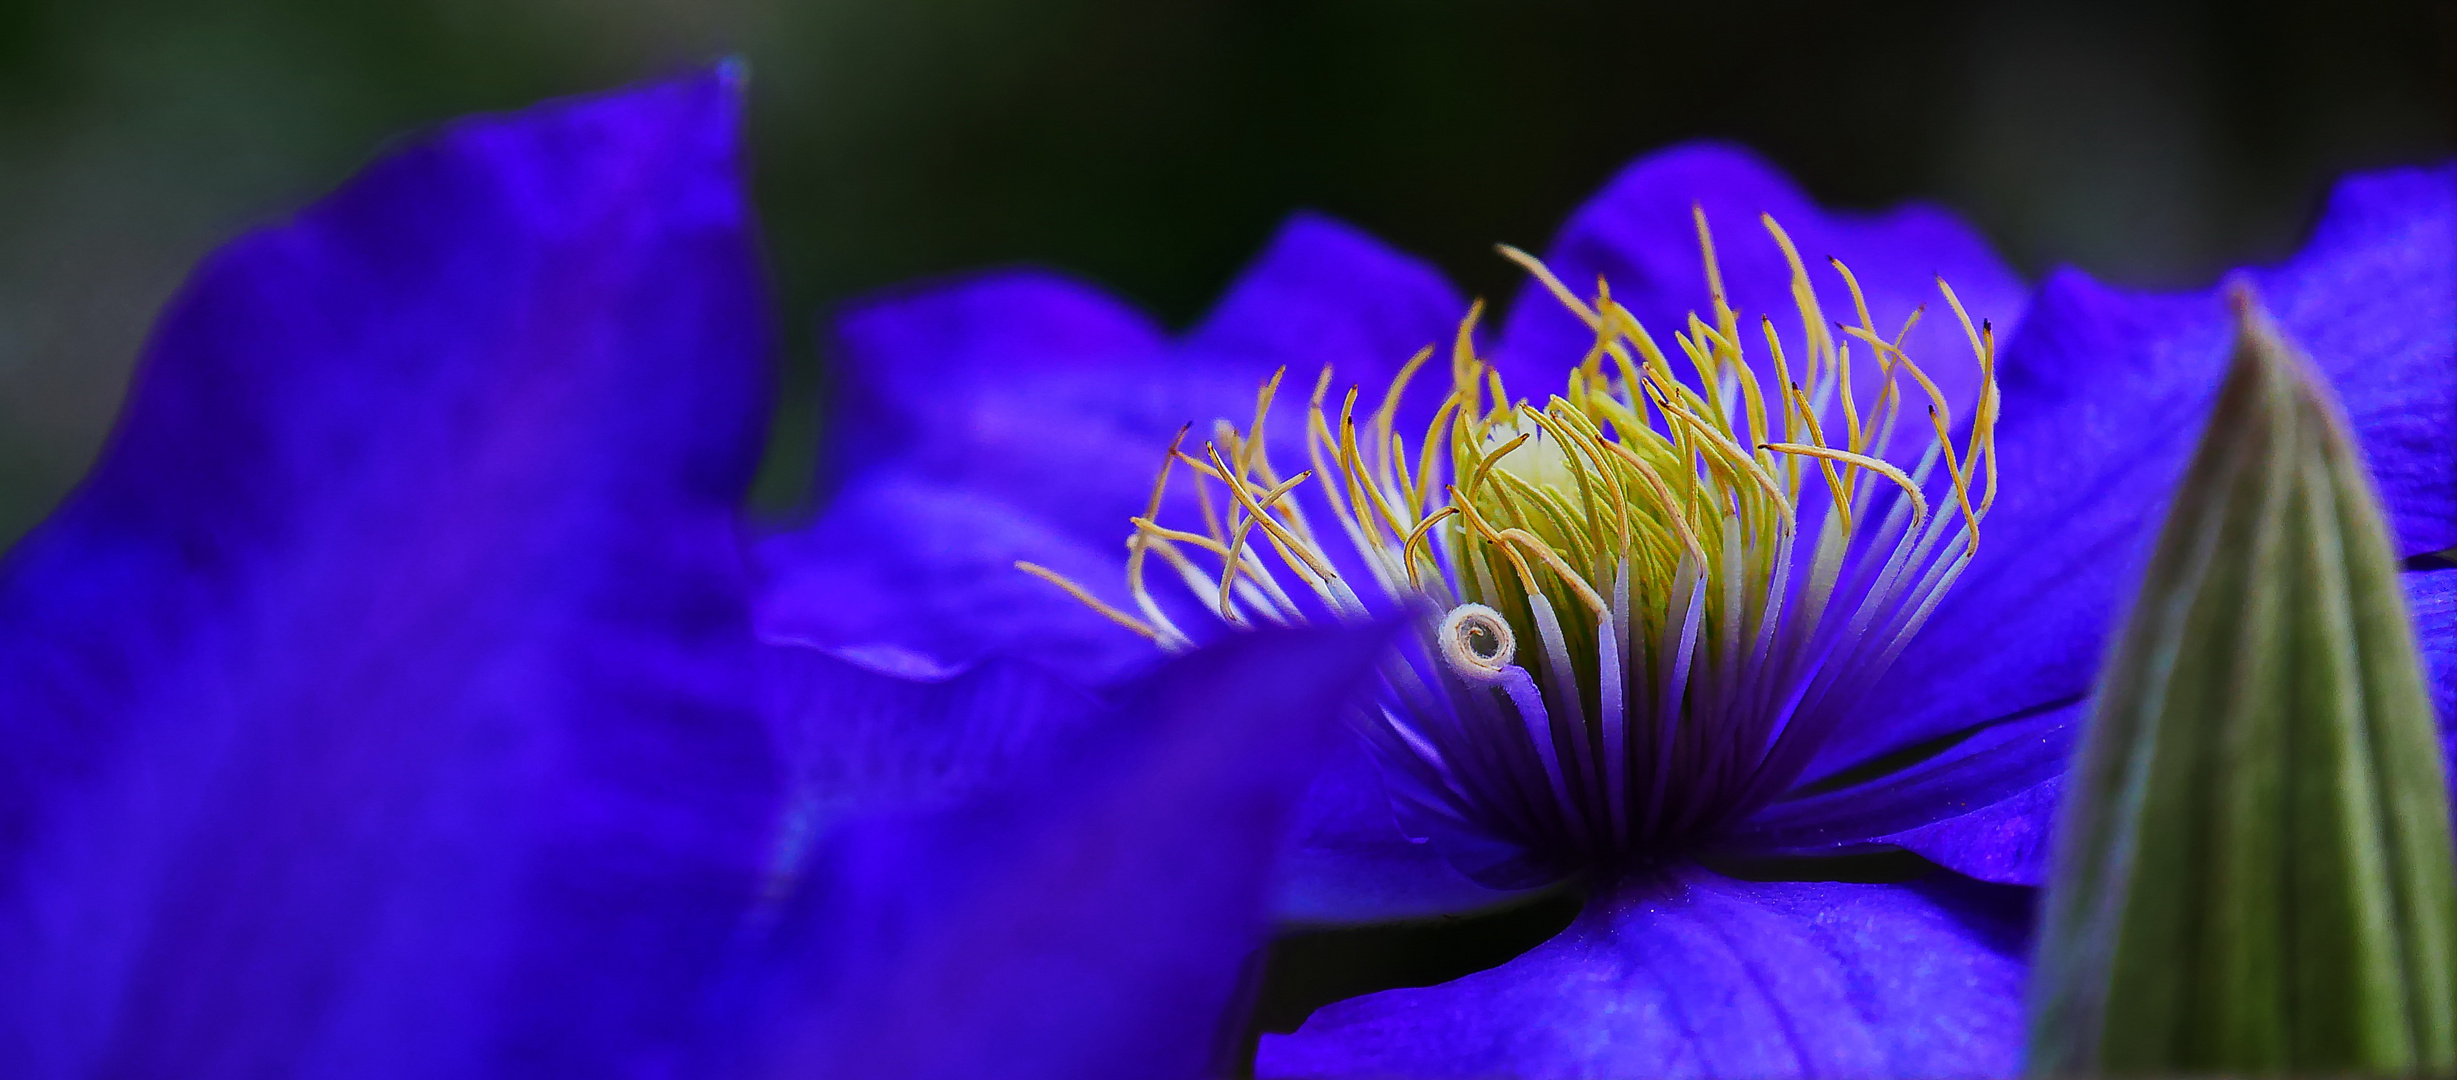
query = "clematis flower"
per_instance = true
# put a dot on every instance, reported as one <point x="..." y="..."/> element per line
<point x="1716" y="587"/>
<point x="386" y="702"/>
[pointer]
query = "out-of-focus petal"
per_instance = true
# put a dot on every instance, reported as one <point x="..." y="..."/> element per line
<point x="2105" y="393"/>
<point x="1037" y="390"/>
<point x="1698" y="975"/>
<point x="939" y="369"/>
<point x="1347" y="861"/>
<point x="1640" y="236"/>
<point x="1094" y="920"/>
<point x="866" y="728"/>
<point x="1326" y="294"/>
<point x="929" y="568"/>
<point x="1024" y="416"/>
<point x="2373" y="298"/>
<point x="380" y="705"/>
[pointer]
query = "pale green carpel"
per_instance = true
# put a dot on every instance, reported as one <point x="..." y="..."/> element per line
<point x="2254" y="871"/>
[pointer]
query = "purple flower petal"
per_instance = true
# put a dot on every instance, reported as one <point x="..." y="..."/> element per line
<point x="1981" y="806"/>
<point x="380" y="704"/>
<point x="2373" y="298"/>
<point x="1639" y="235"/>
<point x="2431" y="597"/>
<point x="1349" y="863"/>
<point x="928" y="568"/>
<point x="2010" y="841"/>
<point x="1986" y="806"/>
<point x="965" y="374"/>
<point x="1326" y="294"/>
<point x="878" y="727"/>
<point x="1097" y="920"/>
<point x="1002" y="417"/>
<point x="1023" y="416"/>
<point x="1701" y="975"/>
<point x="2104" y="397"/>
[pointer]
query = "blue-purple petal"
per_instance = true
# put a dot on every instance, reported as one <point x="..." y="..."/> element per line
<point x="380" y="705"/>
<point x="1094" y="919"/>
<point x="1986" y="807"/>
<point x="963" y="374"/>
<point x="2105" y="393"/>
<point x="2373" y="298"/>
<point x="1024" y="416"/>
<point x="1348" y="862"/>
<point x="1698" y="975"/>
<point x="867" y="728"/>
<point x="2010" y="841"/>
<point x="928" y="567"/>
<point x="1325" y="294"/>
<point x="1981" y="806"/>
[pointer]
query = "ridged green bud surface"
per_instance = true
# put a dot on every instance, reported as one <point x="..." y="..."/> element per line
<point x="2254" y="871"/>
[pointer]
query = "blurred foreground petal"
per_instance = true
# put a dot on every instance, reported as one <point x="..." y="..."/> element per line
<point x="380" y="704"/>
<point x="1095" y="919"/>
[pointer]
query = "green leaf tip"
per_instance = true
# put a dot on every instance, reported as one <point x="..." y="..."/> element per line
<point x="2254" y="869"/>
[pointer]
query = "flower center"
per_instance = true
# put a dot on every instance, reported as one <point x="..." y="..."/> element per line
<point x="1708" y="564"/>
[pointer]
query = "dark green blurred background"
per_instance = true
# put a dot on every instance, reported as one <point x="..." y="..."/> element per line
<point x="1152" y="145"/>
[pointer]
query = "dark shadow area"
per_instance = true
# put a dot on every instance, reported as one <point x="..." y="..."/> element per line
<point x="1883" y="867"/>
<point x="1898" y="760"/>
<point x="1152" y="148"/>
<point x="2432" y="560"/>
<point x="1306" y="970"/>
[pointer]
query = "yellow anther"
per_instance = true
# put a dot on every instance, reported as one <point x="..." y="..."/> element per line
<point x="1079" y="593"/>
<point x="1423" y="528"/>
<point x="1560" y="566"/>
<point x="1486" y="465"/>
<point x="1147" y="527"/>
<point x="1261" y="515"/>
<point x="1553" y="284"/>
<point x="1919" y="502"/>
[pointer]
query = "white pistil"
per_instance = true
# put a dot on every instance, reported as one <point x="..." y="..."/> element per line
<point x="1477" y="642"/>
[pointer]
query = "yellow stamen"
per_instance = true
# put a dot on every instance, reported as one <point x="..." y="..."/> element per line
<point x="1079" y="593"/>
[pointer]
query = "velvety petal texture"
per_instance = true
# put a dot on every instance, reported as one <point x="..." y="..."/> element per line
<point x="1023" y="415"/>
<point x="2104" y="395"/>
<point x="1697" y="975"/>
<point x="381" y="704"/>
<point x="1095" y="918"/>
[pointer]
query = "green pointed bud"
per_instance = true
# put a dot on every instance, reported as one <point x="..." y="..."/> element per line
<point x="2254" y="869"/>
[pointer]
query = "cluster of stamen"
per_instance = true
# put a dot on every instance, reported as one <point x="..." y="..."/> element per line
<point x="1712" y="572"/>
